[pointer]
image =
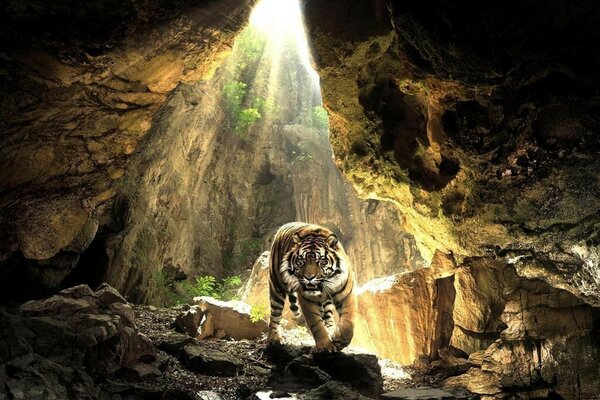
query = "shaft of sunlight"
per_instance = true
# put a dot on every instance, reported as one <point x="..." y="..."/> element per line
<point x="282" y="24"/>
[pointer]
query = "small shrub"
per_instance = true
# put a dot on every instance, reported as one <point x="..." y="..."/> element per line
<point x="258" y="312"/>
<point x="208" y="286"/>
<point x="246" y="118"/>
<point x="320" y="118"/>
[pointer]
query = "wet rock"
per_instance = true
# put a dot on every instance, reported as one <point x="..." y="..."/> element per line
<point x="208" y="361"/>
<point x="233" y="317"/>
<point x="174" y="342"/>
<point x="423" y="394"/>
<point x="138" y="373"/>
<point x="332" y="390"/>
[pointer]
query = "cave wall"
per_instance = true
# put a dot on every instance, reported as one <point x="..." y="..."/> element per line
<point x="479" y="120"/>
<point x="80" y="88"/>
<point x="206" y="199"/>
<point x="117" y="166"/>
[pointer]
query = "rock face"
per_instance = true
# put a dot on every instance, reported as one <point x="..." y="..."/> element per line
<point x="407" y="316"/>
<point x="80" y="87"/>
<point x="57" y="347"/>
<point x="139" y="160"/>
<point x="483" y="136"/>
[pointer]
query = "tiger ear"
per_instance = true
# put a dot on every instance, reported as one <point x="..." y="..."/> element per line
<point x="296" y="238"/>
<point x="332" y="241"/>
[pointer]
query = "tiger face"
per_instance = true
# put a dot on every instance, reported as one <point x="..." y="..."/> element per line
<point x="312" y="265"/>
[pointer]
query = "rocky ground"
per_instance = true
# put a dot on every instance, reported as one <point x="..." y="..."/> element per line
<point x="259" y="358"/>
<point x="81" y="344"/>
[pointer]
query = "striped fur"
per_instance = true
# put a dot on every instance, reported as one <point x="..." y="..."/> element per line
<point x="310" y="267"/>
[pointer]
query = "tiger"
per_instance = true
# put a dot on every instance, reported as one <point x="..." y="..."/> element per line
<point x="308" y="264"/>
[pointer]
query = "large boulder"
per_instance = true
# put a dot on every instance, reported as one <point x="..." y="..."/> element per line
<point x="356" y="375"/>
<point x="54" y="347"/>
<point x="231" y="317"/>
<point x="407" y="316"/>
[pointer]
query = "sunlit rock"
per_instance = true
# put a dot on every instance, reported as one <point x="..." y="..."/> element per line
<point x="404" y="317"/>
<point x="232" y="317"/>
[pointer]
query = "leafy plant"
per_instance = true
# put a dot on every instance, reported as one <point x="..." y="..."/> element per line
<point x="246" y="118"/>
<point x="234" y="96"/>
<point x="320" y="118"/>
<point x="209" y="286"/>
<point x="258" y="312"/>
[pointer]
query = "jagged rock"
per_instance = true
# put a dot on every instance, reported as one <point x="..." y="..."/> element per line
<point x="423" y="394"/>
<point x="281" y="354"/>
<point x="109" y="295"/>
<point x="56" y="346"/>
<point x="476" y="381"/>
<point x="233" y="317"/>
<point x="138" y="373"/>
<point x="479" y="302"/>
<point x="297" y="368"/>
<point x="477" y="357"/>
<point x="189" y="321"/>
<point x="409" y="315"/>
<point x="332" y="390"/>
<point x="361" y="371"/>
<point x="207" y="329"/>
<point x="208" y="361"/>
<point x="175" y="342"/>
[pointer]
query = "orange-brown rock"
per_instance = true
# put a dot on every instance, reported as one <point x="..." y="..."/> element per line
<point x="406" y="316"/>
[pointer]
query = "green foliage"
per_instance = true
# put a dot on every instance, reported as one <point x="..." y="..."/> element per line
<point x="320" y="118"/>
<point x="234" y="94"/>
<point x="247" y="117"/>
<point x="303" y="157"/>
<point x="201" y="286"/>
<point x="258" y="312"/>
<point x="209" y="286"/>
<point x="249" y="44"/>
<point x="166" y="290"/>
<point x="242" y="118"/>
<point x="170" y="293"/>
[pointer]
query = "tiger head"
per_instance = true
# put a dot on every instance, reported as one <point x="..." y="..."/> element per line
<point x="313" y="266"/>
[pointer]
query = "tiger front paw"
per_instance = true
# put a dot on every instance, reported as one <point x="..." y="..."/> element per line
<point x="325" y="347"/>
<point x="274" y="337"/>
<point x="340" y="341"/>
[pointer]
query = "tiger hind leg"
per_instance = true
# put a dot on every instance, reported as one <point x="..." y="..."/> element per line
<point x="277" y="302"/>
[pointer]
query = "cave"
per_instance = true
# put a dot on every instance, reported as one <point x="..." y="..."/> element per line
<point x="150" y="151"/>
